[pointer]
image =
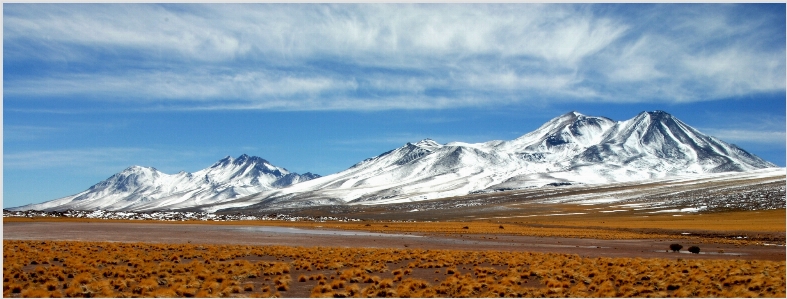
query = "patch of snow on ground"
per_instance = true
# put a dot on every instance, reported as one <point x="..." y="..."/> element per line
<point x="683" y="210"/>
<point x="558" y="214"/>
<point x="588" y="202"/>
<point x="169" y="216"/>
<point x="631" y="205"/>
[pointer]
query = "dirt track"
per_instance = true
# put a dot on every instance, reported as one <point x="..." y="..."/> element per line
<point x="254" y="235"/>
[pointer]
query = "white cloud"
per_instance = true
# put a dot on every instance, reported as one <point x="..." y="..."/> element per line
<point x="27" y="133"/>
<point x="749" y="136"/>
<point x="191" y="86"/>
<point x="222" y="32"/>
<point x="43" y="159"/>
<point x="747" y="128"/>
<point x="109" y="160"/>
<point x="375" y="57"/>
<point x="735" y="71"/>
<point x="637" y="62"/>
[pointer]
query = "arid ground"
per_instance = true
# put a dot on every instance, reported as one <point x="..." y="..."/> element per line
<point x="102" y="258"/>
<point x="157" y="232"/>
<point x="514" y="245"/>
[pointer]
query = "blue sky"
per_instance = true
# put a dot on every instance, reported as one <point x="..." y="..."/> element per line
<point x="90" y="89"/>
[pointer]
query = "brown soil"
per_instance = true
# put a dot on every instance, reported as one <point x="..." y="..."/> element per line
<point x="233" y="234"/>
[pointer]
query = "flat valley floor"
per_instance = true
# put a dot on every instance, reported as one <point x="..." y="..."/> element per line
<point x="240" y="234"/>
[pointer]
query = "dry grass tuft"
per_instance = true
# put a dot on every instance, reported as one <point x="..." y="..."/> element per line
<point x="37" y="293"/>
<point x="149" y="270"/>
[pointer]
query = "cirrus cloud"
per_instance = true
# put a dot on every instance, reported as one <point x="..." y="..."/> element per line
<point x="378" y="57"/>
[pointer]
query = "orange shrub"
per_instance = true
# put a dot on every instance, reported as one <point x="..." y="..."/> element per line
<point x="138" y="269"/>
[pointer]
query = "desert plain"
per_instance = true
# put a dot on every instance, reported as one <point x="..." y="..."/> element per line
<point x="491" y="245"/>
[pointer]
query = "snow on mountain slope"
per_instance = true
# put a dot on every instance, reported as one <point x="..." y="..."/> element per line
<point x="564" y="135"/>
<point x="659" y="139"/>
<point x="140" y="188"/>
<point x="571" y="148"/>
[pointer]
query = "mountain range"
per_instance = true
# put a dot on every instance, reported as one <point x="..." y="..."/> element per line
<point x="140" y="188"/>
<point x="569" y="149"/>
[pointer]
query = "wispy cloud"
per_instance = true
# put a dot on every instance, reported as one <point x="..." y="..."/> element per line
<point x="748" y="128"/>
<point x="749" y="136"/>
<point x="70" y="157"/>
<point x="379" y="57"/>
<point x="27" y="133"/>
<point x="189" y="86"/>
<point x="108" y="160"/>
<point x="105" y="160"/>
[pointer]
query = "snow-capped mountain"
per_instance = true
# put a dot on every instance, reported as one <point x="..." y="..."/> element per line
<point x="672" y="143"/>
<point x="569" y="149"/>
<point x="140" y="188"/>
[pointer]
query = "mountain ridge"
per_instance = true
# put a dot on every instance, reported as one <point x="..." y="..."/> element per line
<point x="571" y="148"/>
<point x="144" y="188"/>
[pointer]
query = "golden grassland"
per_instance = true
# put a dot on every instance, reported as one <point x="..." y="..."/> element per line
<point x="105" y="269"/>
<point x="620" y="225"/>
<point x="755" y="221"/>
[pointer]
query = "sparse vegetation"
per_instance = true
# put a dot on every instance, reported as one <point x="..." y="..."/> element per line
<point x="104" y="269"/>
<point x="576" y="222"/>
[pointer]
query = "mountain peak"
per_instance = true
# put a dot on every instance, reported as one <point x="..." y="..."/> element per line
<point x="572" y="117"/>
<point x="656" y="115"/>
<point x="427" y="142"/>
<point x="657" y="112"/>
<point x="649" y="120"/>
<point x="242" y="159"/>
<point x="223" y="162"/>
<point x="569" y="130"/>
<point x="137" y="168"/>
